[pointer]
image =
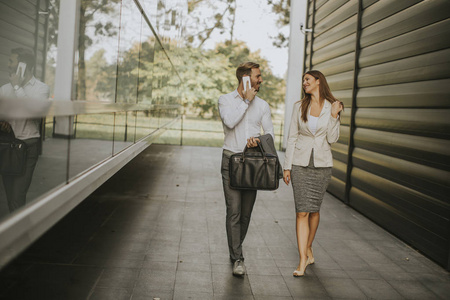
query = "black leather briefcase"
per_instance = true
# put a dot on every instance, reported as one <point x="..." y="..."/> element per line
<point x="254" y="170"/>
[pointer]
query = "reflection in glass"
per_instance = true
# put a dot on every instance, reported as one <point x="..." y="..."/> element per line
<point x="92" y="143"/>
<point x="97" y="50"/>
<point x="143" y="124"/>
<point x="146" y="59"/>
<point x="124" y="130"/>
<point x="129" y="46"/>
<point x="51" y="169"/>
<point x="20" y="137"/>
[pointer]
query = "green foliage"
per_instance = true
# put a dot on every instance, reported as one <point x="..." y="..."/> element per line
<point x="208" y="74"/>
<point x="205" y="75"/>
<point x="206" y="16"/>
<point x="282" y="8"/>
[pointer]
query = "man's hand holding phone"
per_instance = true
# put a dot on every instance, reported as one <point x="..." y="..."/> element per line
<point x="248" y="92"/>
<point x="17" y="78"/>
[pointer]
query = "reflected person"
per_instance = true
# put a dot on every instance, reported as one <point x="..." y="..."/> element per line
<point x="308" y="159"/>
<point x="243" y="115"/>
<point x="26" y="86"/>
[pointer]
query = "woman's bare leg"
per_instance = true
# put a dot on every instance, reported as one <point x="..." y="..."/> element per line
<point x="302" y="228"/>
<point x="314" y="219"/>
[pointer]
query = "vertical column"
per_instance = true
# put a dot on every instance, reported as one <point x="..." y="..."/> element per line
<point x="351" y="143"/>
<point x="67" y="45"/>
<point x="313" y="16"/>
<point x="295" y="62"/>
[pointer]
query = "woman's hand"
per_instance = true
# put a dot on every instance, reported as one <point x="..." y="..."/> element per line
<point x="336" y="108"/>
<point x="287" y="176"/>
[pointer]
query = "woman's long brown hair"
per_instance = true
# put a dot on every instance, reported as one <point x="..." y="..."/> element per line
<point x="324" y="93"/>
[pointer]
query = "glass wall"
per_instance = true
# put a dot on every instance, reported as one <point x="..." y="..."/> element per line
<point x="124" y="80"/>
<point x="28" y="39"/>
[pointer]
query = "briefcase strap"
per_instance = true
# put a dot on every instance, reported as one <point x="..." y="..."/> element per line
<point x="260" y="148"/>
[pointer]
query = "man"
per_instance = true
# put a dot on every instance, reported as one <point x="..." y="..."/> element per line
<point x="26" y="86"/>
<point x="243" y="114"/>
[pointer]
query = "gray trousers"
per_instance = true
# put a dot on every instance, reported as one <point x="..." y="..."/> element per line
<point x="239" y="210"/>
<point x="16" y="187"/>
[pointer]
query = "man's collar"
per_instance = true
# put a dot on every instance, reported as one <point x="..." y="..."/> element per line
<point x="32" y="81"/>
<point x="236" y="94"/>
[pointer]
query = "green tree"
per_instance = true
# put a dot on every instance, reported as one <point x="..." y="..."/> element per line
<point x="282" y="8"/>
<point x="206" y="16"/>
<point x="207" y="74"/>
<point x="89" y="12"/>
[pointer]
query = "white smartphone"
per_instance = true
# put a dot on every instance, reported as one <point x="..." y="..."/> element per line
<point x="246" y="79"/>
<point x="21" y="69"/>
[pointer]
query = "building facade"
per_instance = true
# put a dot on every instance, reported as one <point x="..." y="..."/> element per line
<point x="389" y="63"/>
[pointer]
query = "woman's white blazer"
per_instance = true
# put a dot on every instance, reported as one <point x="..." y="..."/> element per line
<point x="301" y="140"/>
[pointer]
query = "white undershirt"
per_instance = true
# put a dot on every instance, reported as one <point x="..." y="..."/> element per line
<point x="312" y="122"/>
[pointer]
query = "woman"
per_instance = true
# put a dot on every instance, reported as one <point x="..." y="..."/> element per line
<point x="314" y="126"/>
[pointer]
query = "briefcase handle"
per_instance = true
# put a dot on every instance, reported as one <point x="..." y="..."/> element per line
<point x="260" y="148"/>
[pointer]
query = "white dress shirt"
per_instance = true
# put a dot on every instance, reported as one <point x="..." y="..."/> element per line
<point x="242" y="121"/>
<point x="26" y="129"/>
<point x="301" y="140"/>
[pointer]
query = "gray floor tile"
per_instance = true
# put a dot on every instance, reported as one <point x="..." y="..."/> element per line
<point x="222" y="268"/>
<point x="271" y="298"/>
<point x="232" y="297"/>
<point x="305" y="287"/>
<point x="152" y="294"/>
<point x="315" y="298"/>
<point x="377" y="289"/>
<point x="193" y="282"/>
<point x="268" y="285"/>
<point x="227" y="284"/>
<point x="110" y="294"/>
<point x="366" y="274"/>
<point x="440" y="288"/>
<point x="194" y="257"/>
<point x="167" y="256"/>
<point x="396" y="276"/>
<point x="194" y="267"/>
<point x="413" y="290"/>
<point x="118" y="278"/>
<point x="150" y="280"/>
<point x="342" y="288"/>
<point x="327" y="273"/>
<point x="258" y="269"/>
<point x="183" y="295"/>
<point x="156" y="266"/>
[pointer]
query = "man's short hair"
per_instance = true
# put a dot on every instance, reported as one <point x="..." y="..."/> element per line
<point x="26" y="56"/>
<point x="245" y="69"/>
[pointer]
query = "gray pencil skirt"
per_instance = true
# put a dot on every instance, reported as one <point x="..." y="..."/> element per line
<point x="309" y="185"/>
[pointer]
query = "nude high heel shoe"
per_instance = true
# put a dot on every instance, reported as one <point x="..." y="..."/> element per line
<point x="301" y="273"/>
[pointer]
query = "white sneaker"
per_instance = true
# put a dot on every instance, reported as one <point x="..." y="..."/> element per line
<point x="239" y="268"/>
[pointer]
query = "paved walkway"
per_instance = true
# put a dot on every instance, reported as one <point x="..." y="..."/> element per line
<point x="157" y="230"/>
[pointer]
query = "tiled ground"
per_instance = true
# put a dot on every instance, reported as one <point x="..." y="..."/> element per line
<point x="157" y="230"/>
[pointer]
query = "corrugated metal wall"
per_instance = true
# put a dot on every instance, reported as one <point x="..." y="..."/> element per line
<point x="389" y="62"/>
<point x="21" y="26"/>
